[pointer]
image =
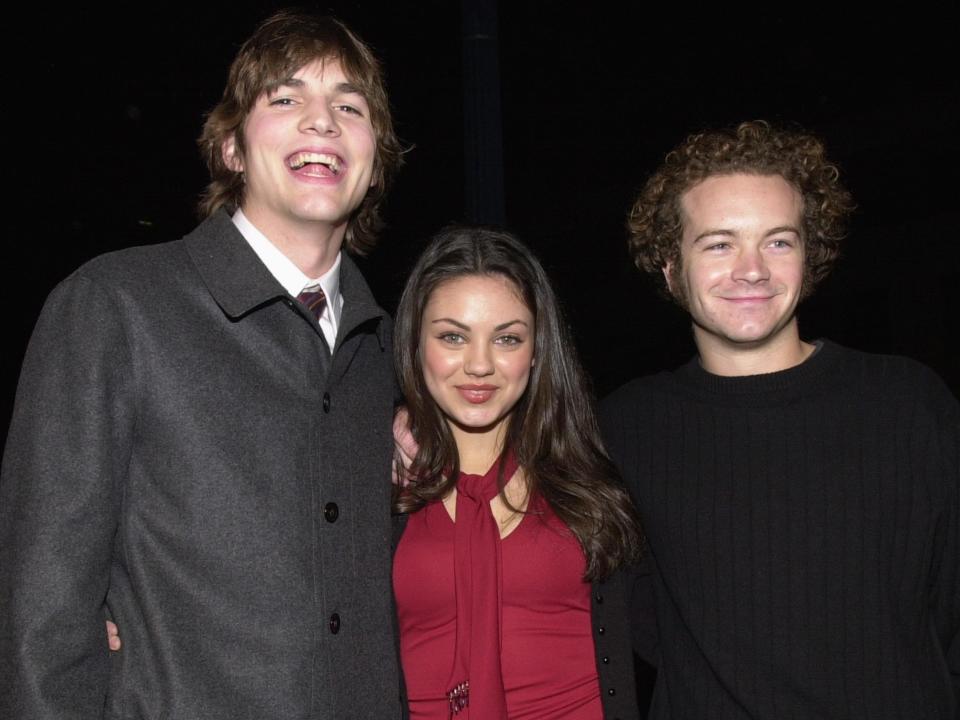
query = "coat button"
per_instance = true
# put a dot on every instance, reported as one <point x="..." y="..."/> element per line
<point x="335" y="623"/>
<point x="331" y="512"/>
<point x="599" y="599"/>
<point x="600" y="630"/>
<point x="605" y="660"/>
<point x="326" y="402"/>
<point x="611" y="692"/>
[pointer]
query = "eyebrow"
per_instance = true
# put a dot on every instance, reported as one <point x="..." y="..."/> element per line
<point x="502" y="326"/>
<point x="730" y="233"/>
<point x="348" y="88"/>
<point x="344" y="88"/>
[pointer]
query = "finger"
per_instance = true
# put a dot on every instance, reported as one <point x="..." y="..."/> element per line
<point x="113" y="636"/>
<point x="402" y="437"/>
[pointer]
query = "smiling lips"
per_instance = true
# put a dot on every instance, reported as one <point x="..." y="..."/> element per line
<point x="315" y="162"/>
<point x="476" y="394"/>
<point x="749" y="299"/>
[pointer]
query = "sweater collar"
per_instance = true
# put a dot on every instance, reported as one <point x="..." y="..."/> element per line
<point x="822" y="369"/>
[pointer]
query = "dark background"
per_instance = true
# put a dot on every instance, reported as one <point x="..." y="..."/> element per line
<point x="103" y="109"/>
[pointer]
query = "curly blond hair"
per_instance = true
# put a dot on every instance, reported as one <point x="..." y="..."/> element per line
<point x="655" y="223"/>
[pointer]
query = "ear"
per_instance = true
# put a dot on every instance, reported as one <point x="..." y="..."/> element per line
<point x="667" y="271"/>
<point x="231" y="157"/>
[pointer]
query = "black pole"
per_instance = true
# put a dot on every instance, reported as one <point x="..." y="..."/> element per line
<point x="482" y="129"/>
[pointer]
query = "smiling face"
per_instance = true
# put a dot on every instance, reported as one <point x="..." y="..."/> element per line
<point x="741" y="263"/>
<point x="476" y="350"/>
<point x="308" y="155"/>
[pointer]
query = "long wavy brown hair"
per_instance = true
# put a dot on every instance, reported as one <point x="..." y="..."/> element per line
<point x="655" y="224"/>
<point x="552" y="429"/>
<point x="280" y="46"/>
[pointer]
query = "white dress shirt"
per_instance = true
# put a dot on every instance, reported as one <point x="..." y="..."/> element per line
<point x="293" y="280"/>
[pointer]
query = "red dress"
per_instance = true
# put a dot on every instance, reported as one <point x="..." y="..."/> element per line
<point x="548" y="665"/>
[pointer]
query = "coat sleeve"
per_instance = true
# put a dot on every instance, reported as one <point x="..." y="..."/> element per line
<point x="949" y="610"/>
<point x="60" y="496"/>
<point x="643" y="615"/>
<point x="946" y="582"/>
<point x="617" y="424"/>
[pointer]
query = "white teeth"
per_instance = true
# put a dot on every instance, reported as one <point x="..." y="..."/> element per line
<point x="300" y="159"/>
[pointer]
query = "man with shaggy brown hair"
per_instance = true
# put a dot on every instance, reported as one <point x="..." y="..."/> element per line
<point x="206" y="456"/>
<point x="801" y="500"/>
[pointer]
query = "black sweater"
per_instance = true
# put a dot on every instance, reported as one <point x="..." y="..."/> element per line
<point x="805" y="536"/>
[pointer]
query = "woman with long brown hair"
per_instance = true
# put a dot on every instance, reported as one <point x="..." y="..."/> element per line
<point x="515" y="520"/>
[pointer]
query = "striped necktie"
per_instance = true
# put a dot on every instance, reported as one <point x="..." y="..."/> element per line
<point x="313" y="299"/>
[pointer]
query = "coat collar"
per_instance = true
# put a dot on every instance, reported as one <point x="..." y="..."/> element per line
<point x="359" y="305"/>
<point x="239" y="282"/>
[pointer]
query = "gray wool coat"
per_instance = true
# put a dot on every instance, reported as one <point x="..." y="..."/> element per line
<point x="185" y="452"/>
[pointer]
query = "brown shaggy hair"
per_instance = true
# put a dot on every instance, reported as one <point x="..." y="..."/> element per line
<point x="553" y="427"/>
<point x="655" y="222"/>
<point x="279" y="47"/>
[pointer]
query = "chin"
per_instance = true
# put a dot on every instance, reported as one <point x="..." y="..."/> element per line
<point x="753" y="337"/>
<point x="477" y="423"/>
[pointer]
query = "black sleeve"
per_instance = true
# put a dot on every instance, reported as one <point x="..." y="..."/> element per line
<point x="615" y="423"/>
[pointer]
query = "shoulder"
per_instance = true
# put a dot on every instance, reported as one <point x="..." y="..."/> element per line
<point x="168" y="267"/>
<point x="635" y="410"/>
<point x="122" y="285"/>
<point x="893" y="378"/>
<point x="638" y="392"/>
<point x="136" y="264"/>
<point x="106" y="278"/>
<point x="160" y="265"/>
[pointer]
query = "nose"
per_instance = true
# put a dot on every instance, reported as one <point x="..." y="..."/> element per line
<point x="319" y="118"/>
<point x="750" y="266"/>
<point x="478" y="360"/>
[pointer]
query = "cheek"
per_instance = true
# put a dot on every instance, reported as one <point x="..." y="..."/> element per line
<point x="437" y="365"/>
<point x="795" y="275"/>
<point x="707" y="274"/>
<point x="261" y="134"/>
<point x="702" y="281"/>
<point x="363" y="143"/>
<point x="517" y="368"/>
<point x="369" y="141"/>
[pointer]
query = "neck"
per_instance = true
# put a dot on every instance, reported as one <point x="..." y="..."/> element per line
<point x="723" y="357"/>
<point x="478" y="450"/>
<point x="311" y="246"/>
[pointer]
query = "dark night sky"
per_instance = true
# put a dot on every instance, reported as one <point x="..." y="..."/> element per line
<point x="107" y="108"/>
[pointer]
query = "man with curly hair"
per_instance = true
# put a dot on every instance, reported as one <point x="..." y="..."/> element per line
<point x="201" y="454"/>
<point x="801" y="499"/>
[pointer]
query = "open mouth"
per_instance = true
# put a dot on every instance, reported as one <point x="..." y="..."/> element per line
<point x="300" y="160"/>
